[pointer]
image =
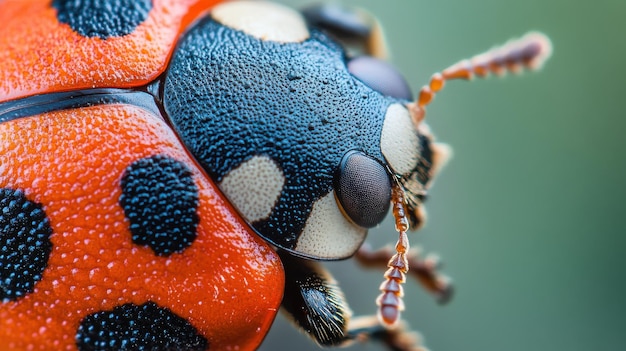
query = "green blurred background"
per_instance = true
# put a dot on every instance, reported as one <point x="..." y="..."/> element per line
<point x="529" y="216"/>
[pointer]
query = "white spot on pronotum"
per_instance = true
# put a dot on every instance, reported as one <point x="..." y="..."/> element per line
<point x="327" y="233"/>
<point x="254" y="187"/>
<point x="399" y="142"/>
<point x="263" y="20"/>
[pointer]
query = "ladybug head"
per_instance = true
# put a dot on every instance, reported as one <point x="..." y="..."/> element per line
<point x="305" y="140"/>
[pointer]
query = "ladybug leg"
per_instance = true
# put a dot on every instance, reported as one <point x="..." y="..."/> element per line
<point x="425" y="269"/>
<point x="315" y="303"/>
<point x="397" y="338"/>
<point x="359" y="31"/>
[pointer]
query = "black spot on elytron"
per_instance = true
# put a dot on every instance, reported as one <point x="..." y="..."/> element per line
<point x="24" y="244"/>
<point x="160" y="199"/>
<point x="138" y="327"/>
<point x="102" y="18"/>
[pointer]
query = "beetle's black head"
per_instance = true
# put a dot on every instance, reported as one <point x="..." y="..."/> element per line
<point x="304" y="140"/>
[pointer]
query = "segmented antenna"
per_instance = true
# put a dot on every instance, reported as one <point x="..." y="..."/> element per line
<point x="390" y="302"/>
<point x="529" y="51"/>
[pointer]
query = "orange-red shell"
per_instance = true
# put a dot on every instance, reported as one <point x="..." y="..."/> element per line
<point x="40" y="55"/>
<point x="228" y="283"/>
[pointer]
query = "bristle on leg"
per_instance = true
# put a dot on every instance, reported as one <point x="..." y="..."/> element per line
<point x="390" y="303"/>
<point x="529" y="52"/>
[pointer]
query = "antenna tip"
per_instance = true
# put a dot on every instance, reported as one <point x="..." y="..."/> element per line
<point x="536" y="48"/>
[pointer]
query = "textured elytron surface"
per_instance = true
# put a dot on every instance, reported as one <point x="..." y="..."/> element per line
<point x="227" y="284"/>
<point x="39" y="54"/>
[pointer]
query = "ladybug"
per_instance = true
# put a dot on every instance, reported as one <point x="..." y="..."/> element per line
<point x="172" y="173"/>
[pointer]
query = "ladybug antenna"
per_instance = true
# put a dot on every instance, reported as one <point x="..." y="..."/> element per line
<point x="390" y="302"/>
<point x="529" y="51"/>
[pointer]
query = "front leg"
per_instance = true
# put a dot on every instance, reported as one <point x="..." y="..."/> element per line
<point x="315" y="303"/>
<point x="398" y="338"/>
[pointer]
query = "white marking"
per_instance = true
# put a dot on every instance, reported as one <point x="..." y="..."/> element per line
<point x="263" y="20"/>
<point x="327" y="233"/>
<point x="399" y="142"/>
<point x="254" y="187"/>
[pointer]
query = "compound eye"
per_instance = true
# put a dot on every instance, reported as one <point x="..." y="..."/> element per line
<point x="380" y="76"/>
<point x="363" y="189"/>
